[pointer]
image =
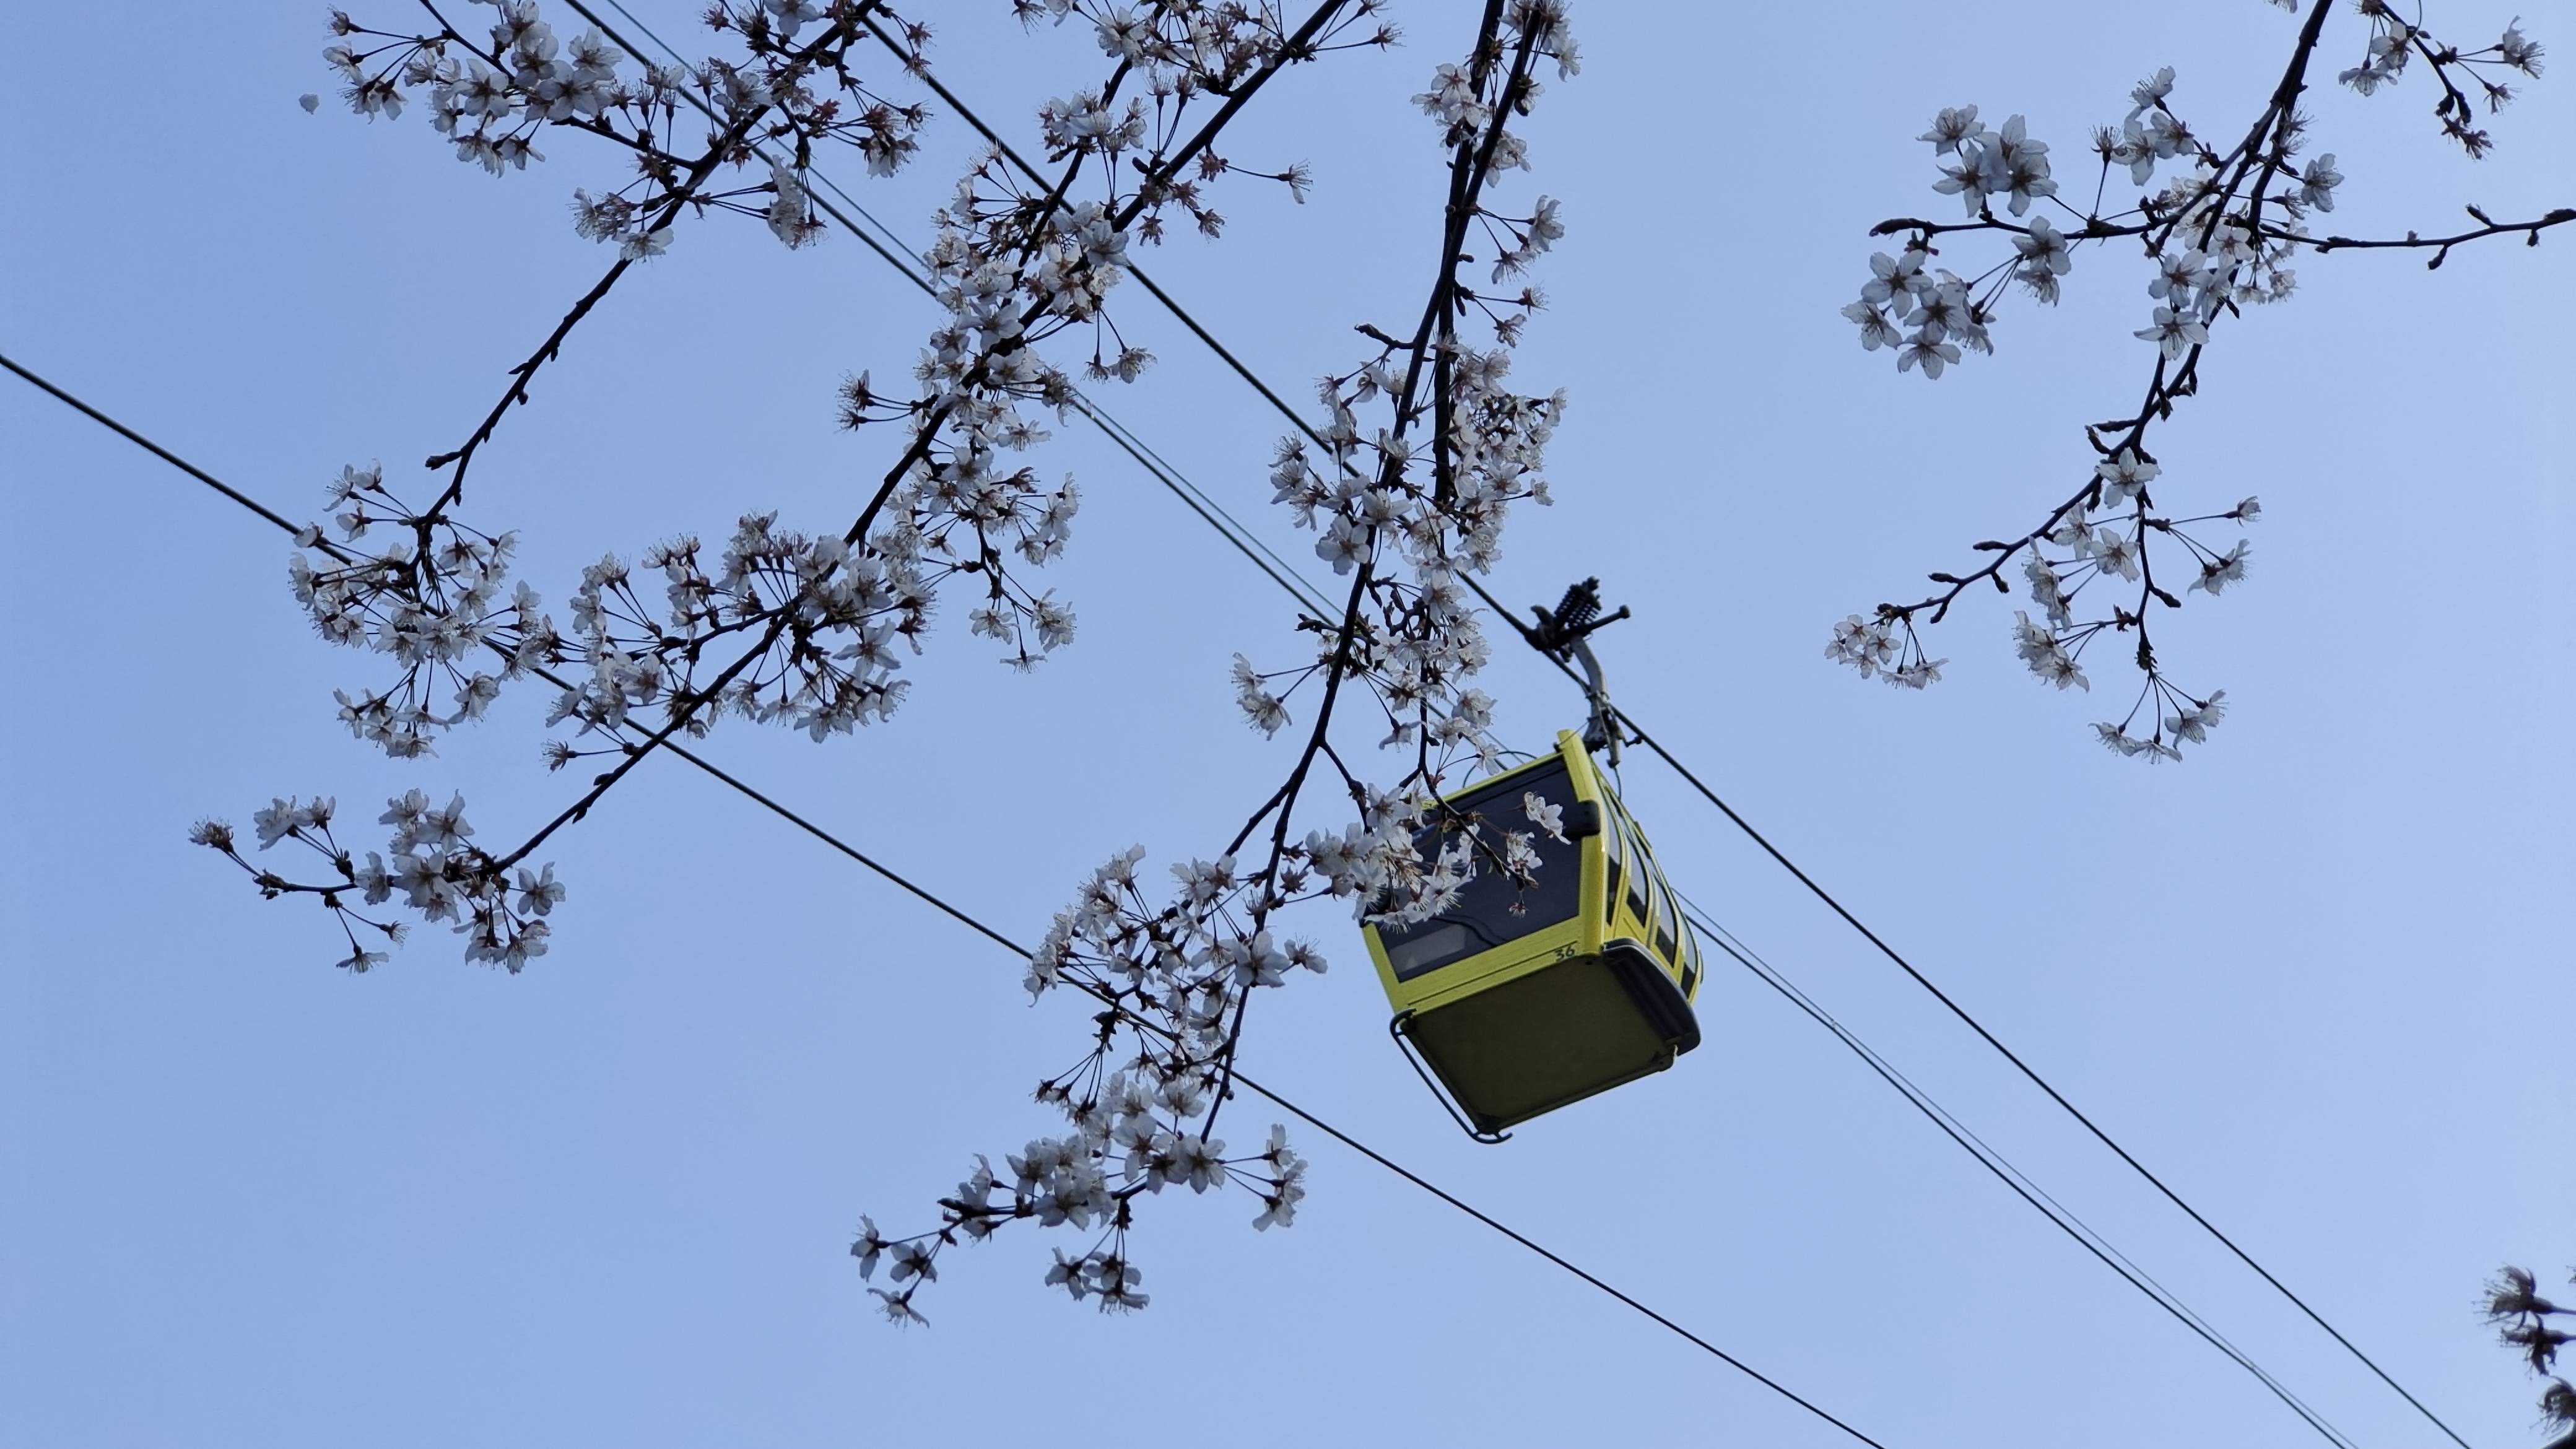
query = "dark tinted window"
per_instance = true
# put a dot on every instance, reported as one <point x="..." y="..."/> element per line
<point x="1641" y="868"/>
<point x="1613" y="840"/>
<point x="1491" y="910"/>
<point x="1665" y="944"/>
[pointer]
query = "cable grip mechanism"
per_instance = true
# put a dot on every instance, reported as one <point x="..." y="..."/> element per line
<point x="1562" y="633"/>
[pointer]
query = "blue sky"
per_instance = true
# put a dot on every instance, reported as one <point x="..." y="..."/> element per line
<point x="2315" y="975"/>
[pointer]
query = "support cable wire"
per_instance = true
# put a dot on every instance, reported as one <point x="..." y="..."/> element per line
<point x="1299" y="421"/>
<point x="721" y="775"/>
<point x="1238" y="535"/>
<point x="1639" y="736"/>
<point x="2063" y="1217"/>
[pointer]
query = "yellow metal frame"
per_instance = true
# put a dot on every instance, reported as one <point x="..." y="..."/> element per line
<point x="1594" y="926"/>
<point x="1600" y="925"/>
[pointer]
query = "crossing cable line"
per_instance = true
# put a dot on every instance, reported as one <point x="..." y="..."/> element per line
<point x="1020" y="952"/>
<point x="1298" y="421"/>
<point x="2039" y="1198"/>
<point x="1283" y="573"/>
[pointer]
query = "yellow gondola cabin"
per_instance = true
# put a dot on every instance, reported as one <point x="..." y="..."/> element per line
<point x="1521" y="999"/>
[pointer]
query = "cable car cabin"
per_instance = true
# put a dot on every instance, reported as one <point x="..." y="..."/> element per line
<point x="1524" y="998"/>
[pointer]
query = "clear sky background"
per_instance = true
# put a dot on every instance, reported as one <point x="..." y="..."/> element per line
<point x="2317" y="975"/>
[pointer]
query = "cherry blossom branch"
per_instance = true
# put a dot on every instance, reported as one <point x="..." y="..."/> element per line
<point x="2216" y="253"/>
<point x="1284" y="802"/>
<point x="1471" y="166"/>
<point x="2093" y="228"/>
<point x="431" y="596"/>
<point x="1156" y="180"/>
<point x="2531" y="235"/>
<point x="934" y="415"/>
<point x="820" y="615"/>
<point x="1177" y="977"/>
<point x="727" y="144"/>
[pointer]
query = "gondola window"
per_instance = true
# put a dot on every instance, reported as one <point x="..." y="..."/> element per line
<point x="1491" y="908"/>
<point x="1637" y="877"/>
<point x="1615" y="845"/>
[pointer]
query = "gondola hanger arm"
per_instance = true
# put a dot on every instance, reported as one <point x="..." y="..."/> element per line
<point x="1563" y="632"/>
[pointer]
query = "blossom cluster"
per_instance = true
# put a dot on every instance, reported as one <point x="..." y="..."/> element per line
<point x="2525" y="1322"/>
<point x="2393" y="42"/>
<point x="2206" y="260"/>
<point x="495" y="95"/>
<point x="1129" y="1138"/>
<point x="1174" y="978"/>
<point x="429" y="861"/>
<point x="1187" y="49"/>
<point x="830" y="668"/>
<point x="432" y="598"/>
